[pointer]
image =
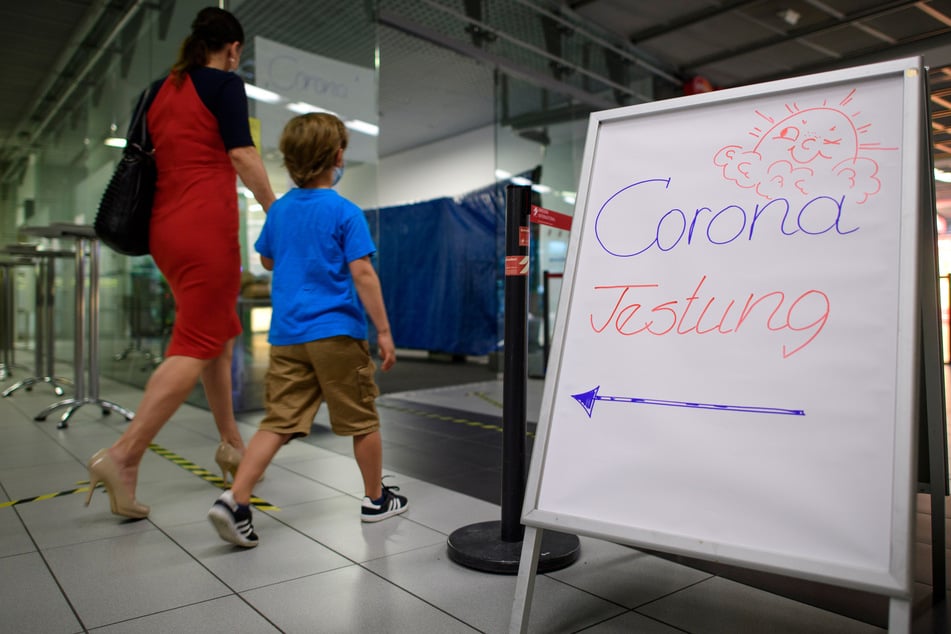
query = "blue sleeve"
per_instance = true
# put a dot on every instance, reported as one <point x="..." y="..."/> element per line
<point x="223" y="94"/>
<point x="263" y="244"/>
<point x="357" y="242"/>
<point x="232" y="114"/>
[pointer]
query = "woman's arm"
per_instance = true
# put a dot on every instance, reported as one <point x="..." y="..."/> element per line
<point x="250" y="168"/>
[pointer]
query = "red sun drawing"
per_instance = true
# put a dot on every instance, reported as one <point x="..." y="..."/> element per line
<point x="818" y="150"/>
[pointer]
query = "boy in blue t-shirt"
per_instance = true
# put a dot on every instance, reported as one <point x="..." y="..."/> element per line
<point x="318" y="245"/>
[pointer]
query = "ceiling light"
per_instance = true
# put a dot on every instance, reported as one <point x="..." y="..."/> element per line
<point x="302" y="107"/>
<point x="362" y="126"/>
<point x="260" y="94"/>
<point x="790" y="17"/>
<point x="115" y="141"/>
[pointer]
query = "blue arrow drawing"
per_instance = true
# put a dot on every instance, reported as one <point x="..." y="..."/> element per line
<point x="588" y="399"/>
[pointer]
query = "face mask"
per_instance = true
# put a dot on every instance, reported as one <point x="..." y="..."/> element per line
<point x="338" y="174"/>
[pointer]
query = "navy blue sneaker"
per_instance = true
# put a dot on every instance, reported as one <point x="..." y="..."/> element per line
<point x="233" y="522"/>
<point x="390" y="505"/>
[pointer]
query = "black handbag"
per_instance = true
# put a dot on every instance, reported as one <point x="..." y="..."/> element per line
<point x="125" y="210"/>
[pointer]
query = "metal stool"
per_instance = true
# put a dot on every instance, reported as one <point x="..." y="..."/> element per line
<point x="87" y="327"/>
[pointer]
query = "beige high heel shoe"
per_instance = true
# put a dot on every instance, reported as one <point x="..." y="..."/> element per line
<point x="103" y="469"/>
<point x="228" y="459"/>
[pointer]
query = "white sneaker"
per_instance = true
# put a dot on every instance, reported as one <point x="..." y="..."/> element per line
<point x="391" y="505"/>
<point x="233" y="522"/>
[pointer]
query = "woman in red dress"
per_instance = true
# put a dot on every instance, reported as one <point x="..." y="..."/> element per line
<point x="198" y="124"/>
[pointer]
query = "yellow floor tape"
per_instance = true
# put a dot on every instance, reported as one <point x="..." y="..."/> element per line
<point x="191" y="467"/>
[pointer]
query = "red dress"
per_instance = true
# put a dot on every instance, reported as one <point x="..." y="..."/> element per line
<point x="194" y="230"/>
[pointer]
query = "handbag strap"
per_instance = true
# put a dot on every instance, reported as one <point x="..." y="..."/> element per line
<point x="139" y="120"/>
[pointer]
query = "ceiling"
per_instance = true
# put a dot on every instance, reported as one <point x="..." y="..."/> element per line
<point x="438" y="56"/>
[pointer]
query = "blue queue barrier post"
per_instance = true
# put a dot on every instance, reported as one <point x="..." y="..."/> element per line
<point x="496" y="546"/>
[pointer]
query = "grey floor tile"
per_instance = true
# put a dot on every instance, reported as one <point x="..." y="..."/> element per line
<point x="285" y="488"/>
<point x="41" y="479"/>
<point x="484" y="600"/>
<point x="373" y="605"/>
<point x="82" y="441"/>
<point x="157" y="469"/>
<point x="36" y="452"/>
<point x="282" y="554"/>
<point x="64" y="520"/>
<point x="334" y="470"/>
<point x="179" y="501"/>
<point x="720" y="606"/>
<point x="631" y="622"/>
<point x="218" y="616"/>
<point x="18" y="432"/>
<point x="335" y="522"/>
<point x="302" y="450"/>
<point x="14" y="538"/>
<point x="30" y="601"/>
<point x="443" y="510"/>
<point x="197" y="421"/>
<point x="484" y="397"/>
<point x="624" y="575"/>
<point x="112" y="580"/>
<point x="192" y="446"/>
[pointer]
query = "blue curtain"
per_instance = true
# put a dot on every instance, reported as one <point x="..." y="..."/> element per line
<point x="441" y="265"/>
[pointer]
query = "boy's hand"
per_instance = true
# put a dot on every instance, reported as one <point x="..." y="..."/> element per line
<point x="384" y="344"/>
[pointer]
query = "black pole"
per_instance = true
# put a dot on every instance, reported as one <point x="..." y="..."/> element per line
<point x="515" y="379"/>
<point x="496" y="546"/>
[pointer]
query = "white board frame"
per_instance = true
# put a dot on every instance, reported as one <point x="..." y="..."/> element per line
<point x="895" y="580"/>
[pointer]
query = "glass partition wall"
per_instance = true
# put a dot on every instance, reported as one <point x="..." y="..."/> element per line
<point x="445" y="105"/>
<point x="299" y="57"/>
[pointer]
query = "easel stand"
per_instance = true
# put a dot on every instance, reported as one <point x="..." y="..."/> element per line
<point x="898" y="405"/>
<point x="495" y="546"/>
<point x="932" y="408"/>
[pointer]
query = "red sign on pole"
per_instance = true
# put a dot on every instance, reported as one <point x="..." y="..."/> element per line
<point x="543" y="216"/>
<point x="516" y="265"/>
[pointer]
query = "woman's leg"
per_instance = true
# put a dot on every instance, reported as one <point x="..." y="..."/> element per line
<point x="166" y="390"/>
<point x="216" y="380"/>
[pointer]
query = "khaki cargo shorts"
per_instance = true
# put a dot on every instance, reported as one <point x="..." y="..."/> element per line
<point x="300" y="377"/>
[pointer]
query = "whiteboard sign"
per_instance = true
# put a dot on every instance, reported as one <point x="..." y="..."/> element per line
<point x="733" y="370"/>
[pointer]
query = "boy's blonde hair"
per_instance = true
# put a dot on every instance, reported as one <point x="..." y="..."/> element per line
<point x="309" y="144"/>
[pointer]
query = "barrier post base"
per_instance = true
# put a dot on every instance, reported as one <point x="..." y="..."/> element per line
<point x="480" y="546"/>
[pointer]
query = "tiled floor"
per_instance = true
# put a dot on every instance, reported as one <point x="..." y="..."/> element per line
<point x="66" y="568"/>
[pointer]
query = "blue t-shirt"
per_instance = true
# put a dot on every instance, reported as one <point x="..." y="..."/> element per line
<point x="312" y="235"/>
